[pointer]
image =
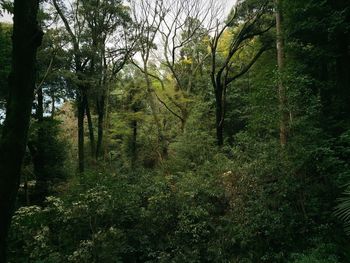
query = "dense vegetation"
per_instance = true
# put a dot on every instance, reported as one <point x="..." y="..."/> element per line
<point x="175" y="131"/>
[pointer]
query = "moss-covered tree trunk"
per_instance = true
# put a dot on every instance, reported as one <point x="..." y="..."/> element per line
<point x="26" y="39"/>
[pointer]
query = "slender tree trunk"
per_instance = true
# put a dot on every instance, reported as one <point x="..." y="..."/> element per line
<point x="219" y="114"/>
<point x="88" y="114"/>
<point x="282" y="96"/>
<point x="80" y="98"/>
<point x="134" y="143"/>
<point x="26" y="190"/>
<point x="81" y="113"/>
<point x="183" y="124"/>
<point x="38" y="155"/>
<point x="53" y="108"/>
<point x="26" y="39"/>
<point x="40" y="107"/>
<point x="90" y="126"/>
<point x="100" y="124"/>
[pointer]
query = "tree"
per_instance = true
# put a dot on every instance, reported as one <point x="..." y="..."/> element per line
<point x="183" y="30"/>
<point x="27" y="38"/>
<point x="282" y="96"/>
<point x="80" y="62"/>
<point x="97" y="25"/>
<point x="148" y="18"/>
<point x="44" y="132"/>
<point x="250" y="24"/>
<point x="107" y="23"/>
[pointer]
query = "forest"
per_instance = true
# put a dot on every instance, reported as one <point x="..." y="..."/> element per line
<point x="183" y="131"/>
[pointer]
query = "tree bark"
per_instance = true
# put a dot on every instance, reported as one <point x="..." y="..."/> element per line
<point x="282" y="96"/>
<point x="90" y="126"/>
<point x="219" y="115"/>
<point x="100" y="122"/>
<point x="81" y="113"/>
<point x="26" y="39"/>
<point x="40" y="107"/>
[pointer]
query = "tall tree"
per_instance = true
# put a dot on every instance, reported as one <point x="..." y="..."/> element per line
<point x="148" y="18"/>
<point x="39" y="150"/>
<point x="80" y="62"/>
<point x="250" y="23"/>
<point x="184" y="28"/>
<point x="107" y="23"/>
<point x="27" y="37"/>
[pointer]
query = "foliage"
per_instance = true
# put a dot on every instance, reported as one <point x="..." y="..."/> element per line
<point x="321" y="254"/>
<point x="53" y="146"/>
<point x="162" y="189"/>
<point x="5" y="60"/>
<point x="139" y="217"/>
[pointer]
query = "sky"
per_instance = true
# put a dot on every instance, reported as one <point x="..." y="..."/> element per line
<point x="228" y="3"/>
<point x="6" y="18"/>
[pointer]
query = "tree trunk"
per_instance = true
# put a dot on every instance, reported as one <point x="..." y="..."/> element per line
<point x="100" y="122"/>
<point x="38" y="154"/>
<point x="26" y="39"/>
<point x="90" y="126"/>
<point x="219" y="114"/>
<point x="282" y="96"/>
<point x="134" y="143"/>
<point x="40" y="107"/>
<point x="53" y="105"/>
<point x="81" y="111"/>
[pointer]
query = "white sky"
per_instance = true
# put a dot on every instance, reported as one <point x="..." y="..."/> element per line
<point x="227" y="3"/>
<point x="6" y="18"/>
